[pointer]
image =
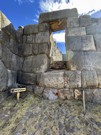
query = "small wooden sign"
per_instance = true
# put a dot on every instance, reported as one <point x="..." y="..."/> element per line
<point x="18" y="90"/>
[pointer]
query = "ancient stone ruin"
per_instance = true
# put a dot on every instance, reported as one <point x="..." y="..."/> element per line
<point x="26" y="56"/>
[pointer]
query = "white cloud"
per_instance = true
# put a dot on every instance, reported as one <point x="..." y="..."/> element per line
<point x="83" y="6"/>
<point x="59" y="37"/>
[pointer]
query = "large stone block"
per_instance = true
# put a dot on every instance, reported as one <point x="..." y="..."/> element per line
<point x="66" y="93"/>
<point x="35" y="49"/>
<point x="97" y="38"/>
<point x="55" y="15"/>
<point x="43" y="27"/>
<point x="3" y="77"/>
<point x="94" y="29"/>
<point x="72" y="22"/>
<point x="89" y="79"/>
<point x="43" y="37"/>
<point x="30" y="39"/>
<point x="19" y="34"/>
<point x="84" y="60"/>
<point x="4" y="36"/>
<point x="80" y="43"/>
<point x="52" y="79"/>
<point x="36" y="64"/>
<point x="97" y="96"/>
<point x="99" y="78"/>
<point x="11" y="61"/>
<point x="79" y="31"/>
<point x="72" y="79"/>
<point x="12" y="79"/>
<point x="13" y="46"/>
<point x="26" y="78"/>
<point x="31" y="29"/>
<point x="25" y="49"/>
<point x="84" y="20"/>
<point x="44" y="48"/>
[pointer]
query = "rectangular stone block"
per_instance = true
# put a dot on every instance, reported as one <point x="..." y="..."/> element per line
<point x="84" y="60"/>
<point x="72" y="79"/>
<point x="35" y="49"/>
<point x="36" y="64"/>
<point x="79" y="31"/>
<point x="97" y="38"/>
<point x="52" y="79"/>
<point x="43" y="27"/>
<point x="80" y="43"/>
<point x="12" y="79"/>
<point x="89" y="79"/>
<point x="99" y="78"/>
<point x="27" y="78"/>
<point x="94" y="29"/>
<point x="30" y="39"/>
<point x="43" y="37"/>
<point x="85" y="20"/>
<point x="31" y="29"/>
<point x="72" y="22"/>
<point x="25" y="49"/>
<point x="44" y="48"/>
<point x="55" y="15"/>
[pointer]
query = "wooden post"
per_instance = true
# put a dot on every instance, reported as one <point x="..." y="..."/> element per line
<point x="18" y="95"/>
<point x="84" y="105"/>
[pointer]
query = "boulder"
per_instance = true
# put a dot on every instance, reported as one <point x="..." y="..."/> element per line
<point x="72" y="79"/>
<point x="55" y="15"/>
<point x="42" y="37"/>
<point x="72" y="22"/>
<point x="3" y="77"/>
<point x="31" y="29"/>
<point x="12" y="79"/>
<point x="89" y="79"/>
<point x="52" y="79"/>
<point x="85" y="20"/>
<point x="77" y="43"/>
<point x="97" y="38"/>
<point x="26" y="78"/>
<point x="79" y="31"/>
<point x="49" y="93"/>
<point x="36" y="64"/>
<point x="94" y="29"/>
<point x="84" y="60"/>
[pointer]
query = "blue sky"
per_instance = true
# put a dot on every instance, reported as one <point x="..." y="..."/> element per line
<point x="24" y="12"/>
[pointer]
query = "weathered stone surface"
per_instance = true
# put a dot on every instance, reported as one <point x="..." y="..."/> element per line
<point x="96" y="20"/>
<point x="84" y="60"/>
<point x="26" y="78"/>
<point x="94" y="29"/>
<point x="89" y="79"/>
<point x="79" y="31"/>
<point x="35" y="49"/>
<point x="36" y="64"/>
<point x="4" y="36"/>
<point x="42" y="37"/>
<point x="72" y="79"/>
<point x="12" y="79"/>
<point x="25" y="49"/>
<point x="44" y="48"/>
<point x="50" y="93"/>
<point x="89" y="94"/>
<point x="0" y="50"/>
<point x="97" y="38"/>
<point x="72" y="22"/>
<point x="11" y="61"/>
<point x="38" y="90"/>
<point x="84" y="20"/>
<point x="30" y="39"/>
<point x="3" y="96"/>
<point x="66" y="93"/>
<point x="99" y="78"/>
<point x="58" y="65"/>
<point x="13" y="46"/>
<point x="52" y="16"/>
<point x="78" y="94"/>
<point x="3" y="77"/>
<point x="52" y="79"/>
<point x="97" y="96"/>
<point x="43" y="27"/>
<point x="19" y="34"/>
<point x="24" y="38"/>
<point x="80" y="43"/>
<point x="31" y="29"/>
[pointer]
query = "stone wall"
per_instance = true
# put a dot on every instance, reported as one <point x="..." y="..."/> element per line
<point x="25" y="56"/>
